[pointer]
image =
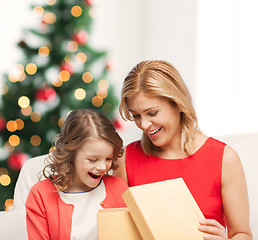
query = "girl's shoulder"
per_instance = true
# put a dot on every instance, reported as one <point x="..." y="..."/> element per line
<point x="108" y="179"/>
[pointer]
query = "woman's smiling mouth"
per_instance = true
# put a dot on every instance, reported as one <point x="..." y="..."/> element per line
<point x="151" y="133"/>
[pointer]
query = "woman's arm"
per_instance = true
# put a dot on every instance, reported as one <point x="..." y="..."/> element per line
<point x="234" y="199"/>
<point x="121" y="171"/>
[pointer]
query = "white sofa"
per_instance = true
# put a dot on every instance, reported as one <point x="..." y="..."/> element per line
<point x="13" y="225"/>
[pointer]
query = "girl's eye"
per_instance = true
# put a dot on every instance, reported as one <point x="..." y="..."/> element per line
<point x="109" y="159"/>
<point x="92" y="160"/>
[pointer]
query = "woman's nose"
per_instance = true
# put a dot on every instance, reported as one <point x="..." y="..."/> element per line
<point x="145" y="124"/>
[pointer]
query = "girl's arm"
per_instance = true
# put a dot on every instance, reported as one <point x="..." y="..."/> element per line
<point x="37" y="226"/>
<point x="235" y="202"/>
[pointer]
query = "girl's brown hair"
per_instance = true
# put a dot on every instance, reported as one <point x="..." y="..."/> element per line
<point x="79" y="125"/>
<point x="160" y="79"/>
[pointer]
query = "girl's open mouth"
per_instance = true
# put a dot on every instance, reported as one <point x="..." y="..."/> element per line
<point x="95" y="176"/>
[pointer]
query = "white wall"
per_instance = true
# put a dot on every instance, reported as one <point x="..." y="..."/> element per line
<point x="227" y="80"/>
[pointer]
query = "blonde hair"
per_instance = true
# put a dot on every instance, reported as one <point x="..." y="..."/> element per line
<point x="80" y="125"/>
<point x="161" y="79"/>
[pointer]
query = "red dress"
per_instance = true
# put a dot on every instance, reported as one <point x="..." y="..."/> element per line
<point x="201" y="172"/>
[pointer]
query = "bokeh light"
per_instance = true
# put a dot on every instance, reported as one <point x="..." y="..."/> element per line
<point x="72" y="46"/>
<point x="43" y="51"/>
<point x="81" y="58"/>
<point x="35" y="140"/>
<point x="87" y="77"/>
<point x="64" y="75"/>
<point x="49" y="18"/>
<point x="8" y="204"/>
<point x="20" y="124"/>
<point x="26" y="111"/>
<point x="31" y="68"/>
<point x="102" y="93"/>
<point x="14" y="140"/>
<point x="103" y="84"/>
<point x="5" y="180"/>
<point x="35" y="117"/>
<point x="24" y="102"/>
<point x="76" y="11"/>
<point x="80" y="94"/>
<point x="97" y="101"/>
<point x="61" y="122"/>
<point x="38" y="11"/>
<point x="11" y="126"/>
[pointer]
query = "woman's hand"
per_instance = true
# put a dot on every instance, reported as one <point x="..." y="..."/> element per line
<point x="212" y="230"/>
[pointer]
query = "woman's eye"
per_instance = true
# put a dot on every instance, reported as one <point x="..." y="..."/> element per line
<point x="136" y="116"/>
<point x="153" y="113"/>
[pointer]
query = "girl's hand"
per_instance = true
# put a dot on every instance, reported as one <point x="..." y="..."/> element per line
<point x="212" y="230"/>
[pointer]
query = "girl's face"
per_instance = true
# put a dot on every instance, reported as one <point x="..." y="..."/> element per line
<point x="157" y="118"/>
<point x="92" y="160"/>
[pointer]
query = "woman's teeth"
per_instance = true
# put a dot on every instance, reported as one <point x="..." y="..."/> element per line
<point x="154" y="131"/>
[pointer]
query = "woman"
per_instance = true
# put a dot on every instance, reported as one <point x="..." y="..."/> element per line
<point x="155" y="97"/>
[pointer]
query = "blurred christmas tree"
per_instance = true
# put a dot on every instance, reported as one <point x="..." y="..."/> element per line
<point x="60" y="72"/>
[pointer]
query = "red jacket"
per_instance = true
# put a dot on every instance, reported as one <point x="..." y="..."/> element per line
<point x="49" y="217"/>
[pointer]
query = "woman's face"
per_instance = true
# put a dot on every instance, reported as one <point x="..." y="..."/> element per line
<point x="92" y="160"/>
<point x="157" y="118"/>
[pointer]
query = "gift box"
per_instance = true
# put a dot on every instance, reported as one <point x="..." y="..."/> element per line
<point x="116" y="224"/>
<point x="164" y="210"/>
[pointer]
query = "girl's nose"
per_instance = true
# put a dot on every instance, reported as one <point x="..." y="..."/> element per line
<point x="101" y="166"/>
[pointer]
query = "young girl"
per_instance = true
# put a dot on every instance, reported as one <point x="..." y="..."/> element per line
<point x="155" y="97"/>
<point x="65" y="205"/>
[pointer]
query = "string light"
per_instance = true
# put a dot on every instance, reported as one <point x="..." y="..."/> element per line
<point x="76" y="11"/>
<point x="43" y="51"/>
<point x="61" y="122"/>
<point x="8" y="204"/>
<point x="8" y="147"/>
<point x="80" y="94"/>
<point x="14" y="140"/>
<point x="97" y="101"/>
<point x="20" y="124"/>
<point x="51" y="2"/>
<point x="3" y="171"/>
<point x="49" y="18"/>
<point x="35" y="140"/>
<point x="102" y="93"/>
<point x="81" y="58"/>
<point x="103" y="84"/>
<point x="11" y="126"/>
<point x="35" y="117"/>
<point x="64" y="75"/>
<point x="17" y="74"/>
<point x="57" y="82"/>
<point x="72" y="46"/>
<point x="87" y="77"/>
<point x="31" y="68"/>
<point x="5" y="180"/>
<point x="26" y="111"/>
<point x="23" y="102"/>
<point x="38" y="11"/>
